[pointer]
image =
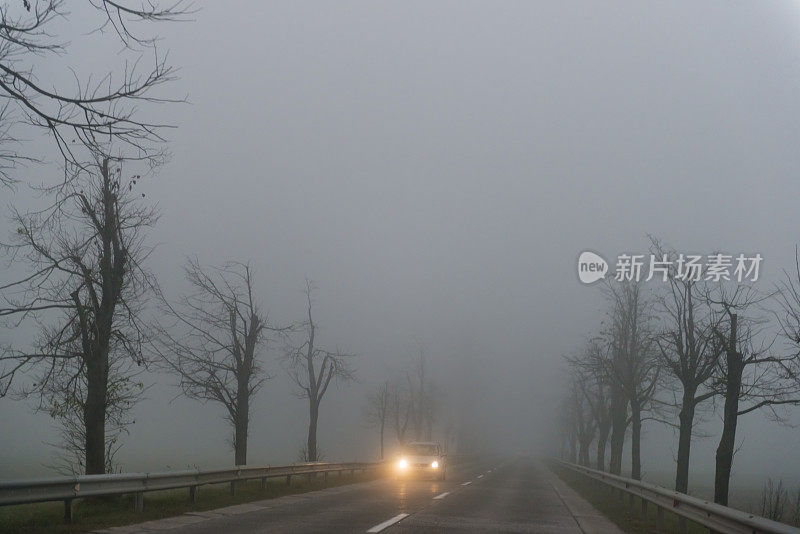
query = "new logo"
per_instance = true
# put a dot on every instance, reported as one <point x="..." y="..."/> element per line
<point x="591" y="267"/>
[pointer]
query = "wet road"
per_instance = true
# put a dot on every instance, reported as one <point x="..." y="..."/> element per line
<point x="482" y="496"/>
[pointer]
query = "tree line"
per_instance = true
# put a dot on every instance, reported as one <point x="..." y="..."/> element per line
<point x="666" y="353"/>
<point x="83" y="251"/>
<point x="408" y="405"/>
<point x="86" y="291"/>
<point x="86" y="288"/>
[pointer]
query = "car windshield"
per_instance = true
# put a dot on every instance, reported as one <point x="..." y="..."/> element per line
<point x="420" y="449"/>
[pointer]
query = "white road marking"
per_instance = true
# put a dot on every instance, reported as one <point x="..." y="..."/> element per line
<point x="480" y="476"/>
<point x="467" y="483"/>
<point x="442" y="495"/>
<point x="388" y="523"/>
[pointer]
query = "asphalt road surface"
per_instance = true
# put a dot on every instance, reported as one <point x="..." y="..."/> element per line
<point x="482" y="496"/>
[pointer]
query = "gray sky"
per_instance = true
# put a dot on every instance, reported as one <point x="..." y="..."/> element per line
<point x="436" y="168"/>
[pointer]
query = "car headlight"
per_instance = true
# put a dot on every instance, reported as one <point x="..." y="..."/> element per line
<point x="402" y="464"/>
<point x="435" y="464"/>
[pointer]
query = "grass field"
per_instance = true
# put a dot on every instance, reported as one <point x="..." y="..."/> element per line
<point x="107" y="512"/>
<point x="745" y="491"/>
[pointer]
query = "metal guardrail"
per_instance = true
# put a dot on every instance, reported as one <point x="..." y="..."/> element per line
<point x="68" y="488"/>
<point x="714" y="516"/>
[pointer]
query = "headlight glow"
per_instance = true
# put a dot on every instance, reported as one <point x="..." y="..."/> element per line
<point x="435" y="464"/>
<point x="402" y="464"/>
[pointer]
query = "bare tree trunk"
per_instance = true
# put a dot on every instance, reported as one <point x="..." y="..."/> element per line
<point x="95" y="414"/>
<point x="583" y="454"/>
<point x="725" y="449"/>
<point x="383" y="425"/>
<point x="240" y="446"/>
<point x="686" y="418"/>
<point x="312" y="369"/>
<point x="242" y="420"/>
<point x="573" y="452"/>
<point x="636" y="441"/>
<point x="311" y="446"/>
<point x="602" y="439"/>
<point x="619" y="425"/>
<point x="727" y="441"/>
<point x="379" y="408"/>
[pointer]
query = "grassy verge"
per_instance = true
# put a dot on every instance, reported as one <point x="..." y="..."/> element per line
<point x="627" y="517"/>
<point x="94" y="514"/>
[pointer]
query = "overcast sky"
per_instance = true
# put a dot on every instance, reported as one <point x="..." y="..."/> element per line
<point x="436" y="168"/>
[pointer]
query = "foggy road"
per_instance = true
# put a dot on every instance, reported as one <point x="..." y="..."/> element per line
<point x="477" y="497"/>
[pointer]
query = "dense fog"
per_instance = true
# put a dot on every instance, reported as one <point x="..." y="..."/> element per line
<point x="436" y="169"/>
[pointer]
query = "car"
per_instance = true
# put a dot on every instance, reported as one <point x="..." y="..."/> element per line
<point x="421" y="458"/>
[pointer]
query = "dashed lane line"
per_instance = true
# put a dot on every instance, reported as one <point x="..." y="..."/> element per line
<point x="388" y="523"/>
<point x="396" y="519"/>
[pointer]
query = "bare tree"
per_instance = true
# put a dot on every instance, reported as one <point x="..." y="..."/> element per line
<point x="449" y="437"/>
<point x="417" y="387"/>
<point x="65" y="402"/>
<point x="773" y="500"/>
<point x="312" y="370"/>
<point x="589" y="373"/>
<point x="91" y="112"/>
<point x="430" y="409"/>
<point x="609" y="361"/>
<point x="751" y="376"/>
<point x="214" y="340"/>
<point x="796" y="508"/>
<point x="568" y="429"/>
<point x="688" y="351"/>
<point x="377" y="409"/>
<point x="580" y="413"/>
<point x="400" y="407"/>
<point x="422" y="397"/>
<point x="619" y="426"/>
<point x="85" y="290"/>
<point x="633" y="367"/>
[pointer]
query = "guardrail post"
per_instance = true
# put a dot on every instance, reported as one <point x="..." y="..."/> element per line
<point x="233" y="487"/>
<point x="288" y="480"/>
<point x="325" y="479"/>
<point x="683" y="527"/>
<point x="630" y="503"/>
<point x="659" y="518"/>
<point x="68" y="510"/>
<point x="138" y="501"/>
<point x="263" y="482"/>
<point x="644" y="508"/>
<point x="193" y="493"/>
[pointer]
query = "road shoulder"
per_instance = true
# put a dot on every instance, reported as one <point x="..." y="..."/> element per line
<point x="589" y="519"/>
